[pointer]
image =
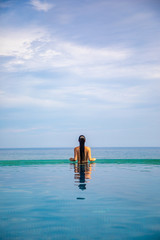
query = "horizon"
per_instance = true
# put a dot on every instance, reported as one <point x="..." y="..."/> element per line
<point x="67" y="147"/>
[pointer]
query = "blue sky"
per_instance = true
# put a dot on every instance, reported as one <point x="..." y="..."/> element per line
<point x="87" y="67"/>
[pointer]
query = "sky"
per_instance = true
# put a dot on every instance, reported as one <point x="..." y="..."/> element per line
<point x="72" y="67"/>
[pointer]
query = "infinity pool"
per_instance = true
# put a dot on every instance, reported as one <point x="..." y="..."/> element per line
<point x="68" y="201"/>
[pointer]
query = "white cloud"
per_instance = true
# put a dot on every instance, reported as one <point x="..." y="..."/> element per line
<point x="41" y="6"/>
<point x="85" y="96"/>
<point x="17" y="100"/>
<point x="116" y="70"/>
<point x="18" y="43"/>
<point x="49" y="54"/>
<point x="32" y="49"/>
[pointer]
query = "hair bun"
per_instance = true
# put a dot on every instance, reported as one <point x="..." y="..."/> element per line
<point x="82" y="137"/>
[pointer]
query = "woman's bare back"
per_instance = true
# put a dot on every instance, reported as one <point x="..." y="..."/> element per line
<point x="87" y="152"/>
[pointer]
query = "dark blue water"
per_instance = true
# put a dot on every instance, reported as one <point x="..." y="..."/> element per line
<point x="55" y="199"/>
<point x="66" y="153"/>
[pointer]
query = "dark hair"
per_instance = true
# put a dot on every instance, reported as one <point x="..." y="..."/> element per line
<point x="82" y="140"/>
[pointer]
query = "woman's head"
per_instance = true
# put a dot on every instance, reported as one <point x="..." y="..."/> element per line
<point x="82" y="138"/>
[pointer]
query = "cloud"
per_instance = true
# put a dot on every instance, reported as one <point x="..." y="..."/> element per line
<point x="41" y="6"/>
<point x="92" y="97"/>
<point x="33" y="49"/>
<point x="29" y="44"/>
<point x="19" y="100"/>
<point x="18" y="43"/>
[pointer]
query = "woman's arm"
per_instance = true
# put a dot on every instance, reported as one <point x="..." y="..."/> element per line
<point x="75" y="155"/>
<point x="89" y="155"/>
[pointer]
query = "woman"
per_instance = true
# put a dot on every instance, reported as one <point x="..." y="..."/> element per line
<point x="82" y="153"/>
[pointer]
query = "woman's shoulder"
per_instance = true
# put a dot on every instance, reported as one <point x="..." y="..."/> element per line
<point x="76" y="148"/>
<point x="87" y="148"/>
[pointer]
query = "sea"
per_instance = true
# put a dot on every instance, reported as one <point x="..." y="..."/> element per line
<point x="45" y="196"/>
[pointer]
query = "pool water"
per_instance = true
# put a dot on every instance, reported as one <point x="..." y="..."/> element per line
<point x="69" y="201"/>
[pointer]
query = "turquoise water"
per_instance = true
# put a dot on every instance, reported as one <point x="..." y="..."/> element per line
<point x="44" y="197"/>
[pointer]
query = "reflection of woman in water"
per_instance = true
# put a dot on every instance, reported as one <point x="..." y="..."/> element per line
<point x="82" y="173"/>
<point x="82" y="153"/>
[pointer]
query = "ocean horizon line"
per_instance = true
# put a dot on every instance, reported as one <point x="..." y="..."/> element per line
<point x="6" y="148"/>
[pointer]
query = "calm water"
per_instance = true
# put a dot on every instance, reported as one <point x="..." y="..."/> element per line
<point x="109" y="199"/>
<point x="66" y="153"/>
